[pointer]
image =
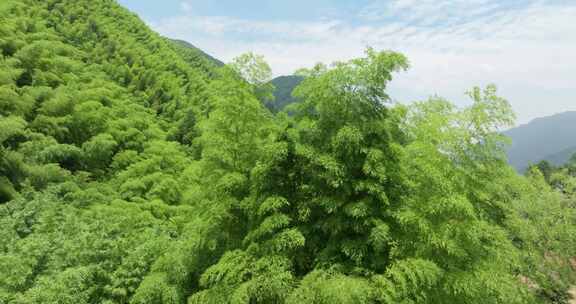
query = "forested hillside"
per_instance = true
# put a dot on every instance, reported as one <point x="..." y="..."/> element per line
<point x="133" y="171"/>
<point x="195" y="56"/>
<point x="284" y="86"/>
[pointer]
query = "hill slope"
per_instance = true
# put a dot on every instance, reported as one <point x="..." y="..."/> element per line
<point x="284" y="86"/>
<point x="549" y="138"/>
<point x="198" y="51"/>
<point x="195" y="56"/>
<point x="133" y="171"/>
<point x="97" y="117"/>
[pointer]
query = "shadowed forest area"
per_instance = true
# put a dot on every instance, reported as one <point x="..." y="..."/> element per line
<point x="135" y="169"/>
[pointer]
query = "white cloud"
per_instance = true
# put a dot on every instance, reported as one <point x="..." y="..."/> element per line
<point x="427" y="12"/>
<point x="452" y="45"/>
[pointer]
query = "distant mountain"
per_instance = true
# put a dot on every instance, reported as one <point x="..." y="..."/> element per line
<point x="551" y="138"/>
<point x="561" y="157"/>
<point x="284" y="85"/>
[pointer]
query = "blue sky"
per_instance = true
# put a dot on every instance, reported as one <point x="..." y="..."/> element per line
<point x="526" y="47"/>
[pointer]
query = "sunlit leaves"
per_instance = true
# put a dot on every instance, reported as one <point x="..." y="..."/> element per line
<point x="11" y="126"/>
<point x="407" y="281"/>
<point x="253" y="69"/>
<point x="324" y="287"/>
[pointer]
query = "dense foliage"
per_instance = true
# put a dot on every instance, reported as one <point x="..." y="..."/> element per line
<point x="132" y="171"/>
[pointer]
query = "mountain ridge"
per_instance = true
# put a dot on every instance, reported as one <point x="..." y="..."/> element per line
<point x="544" y="138"/>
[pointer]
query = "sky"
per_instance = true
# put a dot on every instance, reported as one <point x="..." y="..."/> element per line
<point x="526" y="47"/>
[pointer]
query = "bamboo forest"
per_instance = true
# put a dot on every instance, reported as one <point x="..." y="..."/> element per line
<point x="136" y="169"/>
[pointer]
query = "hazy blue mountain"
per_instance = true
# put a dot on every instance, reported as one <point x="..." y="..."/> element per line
<point x="551" y="138"/>
<point x="561" y="157"/>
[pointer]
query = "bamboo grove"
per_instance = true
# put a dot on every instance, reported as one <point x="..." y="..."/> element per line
<point x="134" y="170"/>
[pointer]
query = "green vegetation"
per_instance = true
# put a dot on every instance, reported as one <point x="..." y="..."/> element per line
<point x="133" y="171"/>
<point x="548" y="138"/>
